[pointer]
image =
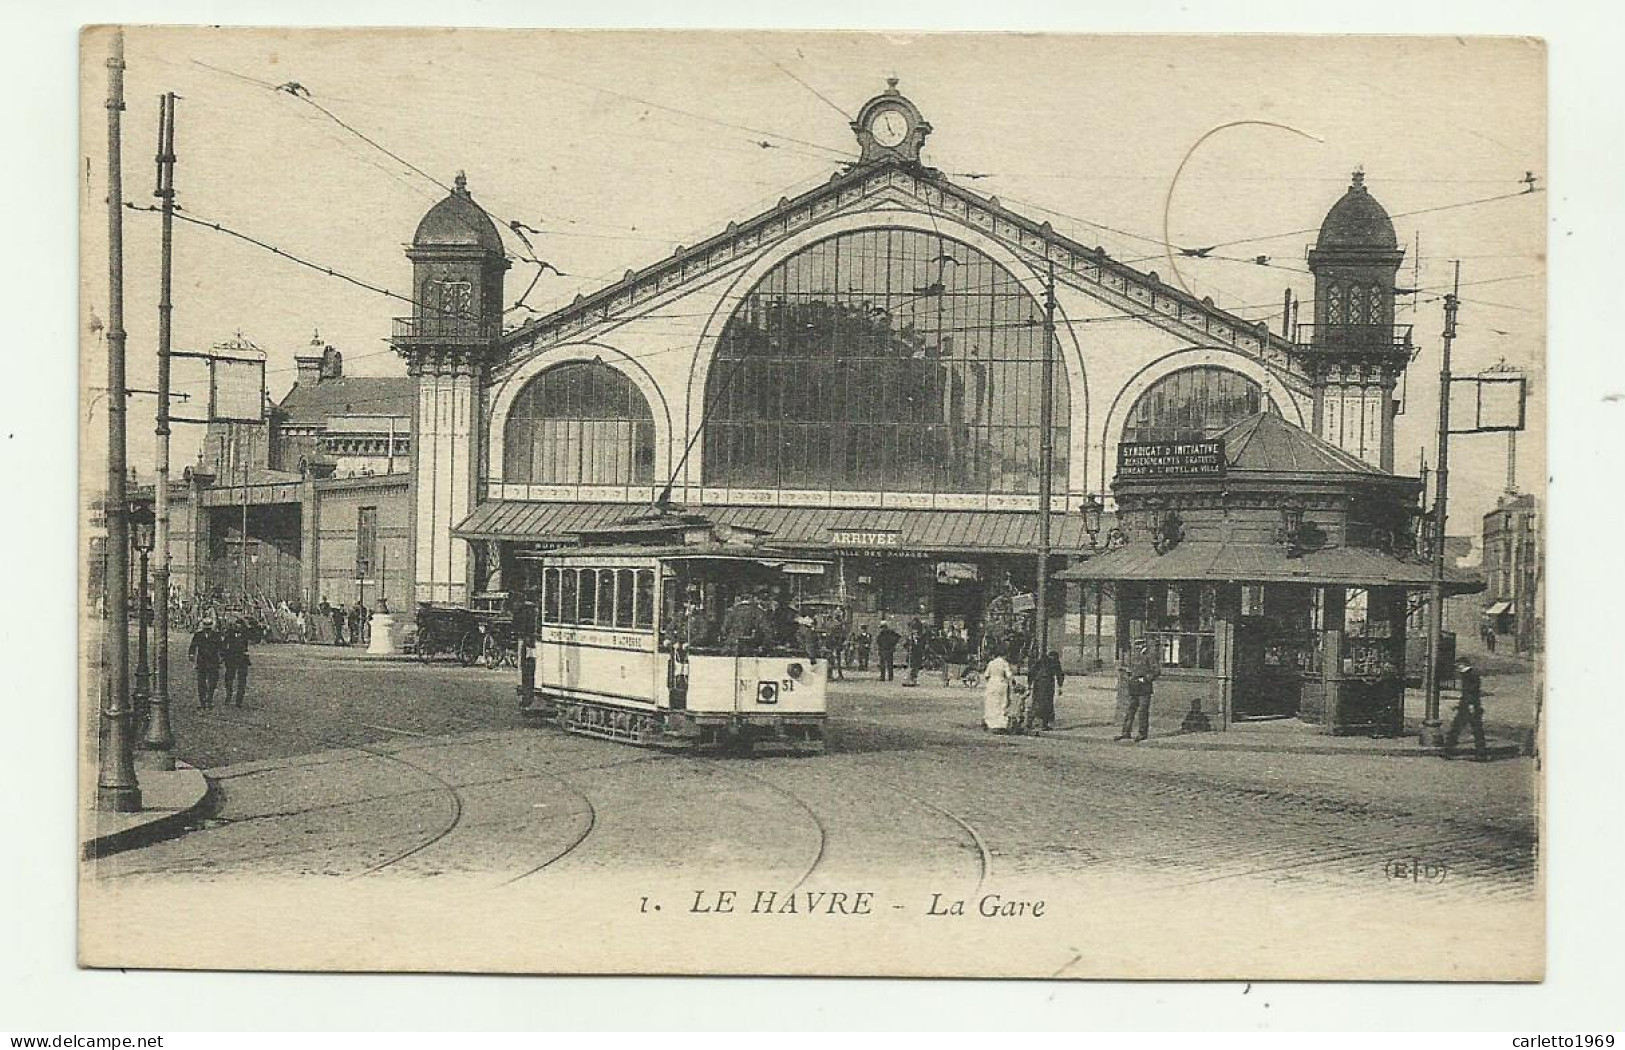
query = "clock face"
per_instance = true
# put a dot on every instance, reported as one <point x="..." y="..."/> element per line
<point x="889" y="127"/>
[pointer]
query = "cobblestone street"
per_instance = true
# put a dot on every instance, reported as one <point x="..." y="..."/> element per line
<point x="348" y="769"/>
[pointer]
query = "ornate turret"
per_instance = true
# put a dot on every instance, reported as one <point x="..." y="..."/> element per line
<point x="1354" y="351"/>
<point x="449" y="343"/>
<point x="457" y="275"/>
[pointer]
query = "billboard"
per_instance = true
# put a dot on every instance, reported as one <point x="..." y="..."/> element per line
<point x="217" y="388"/>
<point x="1487" y="403"/>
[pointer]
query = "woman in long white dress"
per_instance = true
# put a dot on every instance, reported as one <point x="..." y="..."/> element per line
<point x="997" y="681"/>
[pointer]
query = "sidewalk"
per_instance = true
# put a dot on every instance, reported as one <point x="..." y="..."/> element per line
<point x="170" y="799"/>
<point x="1086" y="713"/>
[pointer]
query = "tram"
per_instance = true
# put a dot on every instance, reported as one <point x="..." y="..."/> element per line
<point x="674" y="632"/>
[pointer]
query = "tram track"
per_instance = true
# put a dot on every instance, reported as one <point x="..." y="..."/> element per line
<point x="457" y="803"/>
<point x="812" y="814"/>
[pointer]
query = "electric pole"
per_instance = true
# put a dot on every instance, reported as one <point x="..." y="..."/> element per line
<point x="1046" y="459"/>
<point x="1432" y="734"/>
<point x="117" y="789"/>
<point x="160" y="738"/>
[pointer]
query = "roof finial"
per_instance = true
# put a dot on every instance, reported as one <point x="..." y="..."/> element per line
<point x="1359" y="178"/>
<point x="315" y="337"/>
<point x="891" y="85"/>
<point x="460" y="183"/>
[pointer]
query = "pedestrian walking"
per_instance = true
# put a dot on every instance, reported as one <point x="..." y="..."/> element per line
<point x="860" y="647"/>
<point x="886" y="644"/>
<point x="1141" y="671"/>
<point x="204" y="652"/>
<point x="1044" y="680"/>
<point x="336" y="613"/>
<point x="360" y="621"/>
<point x="835" y="644"/>
<point x="998" y="689"/>
<point x="915" y="649"/>
<point x="234" y="654"/>
<point x="1469" y="712"/>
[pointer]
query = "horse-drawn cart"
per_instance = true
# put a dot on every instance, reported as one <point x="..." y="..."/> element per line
<point x="469" y="636"/>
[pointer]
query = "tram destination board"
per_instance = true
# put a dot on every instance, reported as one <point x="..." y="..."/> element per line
<point x="1171" y="459"/>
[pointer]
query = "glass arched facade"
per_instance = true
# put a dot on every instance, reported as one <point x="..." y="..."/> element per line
<point x="887" y="360"/>
<point x="581" y="423"/>
<point x="1194" y="403"/>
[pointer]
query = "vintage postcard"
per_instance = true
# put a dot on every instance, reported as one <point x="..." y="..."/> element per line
<point x="963" y="505"/>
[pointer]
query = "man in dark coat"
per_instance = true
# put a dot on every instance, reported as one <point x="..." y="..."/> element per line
<point x="337" y="615"/>
<point x="360" y="620"/>
<point x="886" y="643"/>
<point x="234" y="653"/>
<point x="1469" y="711"/>
<point x="1044" y="679"/>
<point x="860" y="647"/>
<point x="205" y="653"/>
<point x="916" y="653"/>
<point x="1141" y="670"/>
<point x="744" y="627"/>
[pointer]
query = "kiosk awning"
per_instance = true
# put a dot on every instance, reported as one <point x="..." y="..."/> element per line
<point x="1498" y="609"/>
<point x="857" y="530"/>
<point x="1267" y="563"/>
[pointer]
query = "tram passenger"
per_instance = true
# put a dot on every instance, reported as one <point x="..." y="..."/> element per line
<point x="689" y="625"/>
<point x="784" y="623"/>
<point x="744" y="627"/>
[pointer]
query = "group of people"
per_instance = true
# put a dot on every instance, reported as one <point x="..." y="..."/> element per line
<point x="216" y="647"/>
<point x="1011" y="706"/>
<point x="338" y="625"/>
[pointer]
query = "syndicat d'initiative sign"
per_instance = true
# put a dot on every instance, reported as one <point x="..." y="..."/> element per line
<point x="1171" y="459"/>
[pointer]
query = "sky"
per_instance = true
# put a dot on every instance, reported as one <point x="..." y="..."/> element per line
<point x="617" y="147"/>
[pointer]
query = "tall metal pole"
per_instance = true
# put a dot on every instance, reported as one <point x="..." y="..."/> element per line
<point x="242" y="547"/>
<point x="160" y="739"/>
<point x="1432" y="733"/>
<point x="117" y="789"/>
<point x="1046" y="460"/>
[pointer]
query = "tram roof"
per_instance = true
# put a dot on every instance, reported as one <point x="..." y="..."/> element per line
<point x="671" y="552"/>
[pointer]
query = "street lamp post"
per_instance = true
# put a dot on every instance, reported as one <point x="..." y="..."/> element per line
<point x="141" y="538"/>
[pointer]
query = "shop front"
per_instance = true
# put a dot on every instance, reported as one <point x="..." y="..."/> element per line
<point x="1271" y="580"/>
<point x="973" y="572"/>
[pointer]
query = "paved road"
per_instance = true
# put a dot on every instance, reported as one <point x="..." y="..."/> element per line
<point x="350" y="778"/>
<point x="343" y="767"/>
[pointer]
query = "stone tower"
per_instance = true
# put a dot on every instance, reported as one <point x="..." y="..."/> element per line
<point x="1356" y="354"/>
<point x="449" y="343"/>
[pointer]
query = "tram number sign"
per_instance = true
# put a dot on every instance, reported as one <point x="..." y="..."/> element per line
<point x="1171" y="459"/>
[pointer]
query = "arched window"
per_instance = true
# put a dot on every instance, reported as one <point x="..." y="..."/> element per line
<point x="581" y="423"/>
<point x="1194" y="403"/>
<point x="888" y="360"/>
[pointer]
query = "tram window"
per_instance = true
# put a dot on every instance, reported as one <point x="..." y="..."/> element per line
<point x="550" y="596"/>
<point x="587" y="597"/>
<point x="645" y="616"/>
<point x="606" y="597"/>
<point x="624" y="597"/>
<point x="567" y="596"/>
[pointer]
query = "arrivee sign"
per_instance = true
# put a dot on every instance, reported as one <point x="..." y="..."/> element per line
<point x="1171" y="459"/>
<point x="865" y="538"/>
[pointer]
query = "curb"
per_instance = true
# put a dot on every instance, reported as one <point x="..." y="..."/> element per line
<point x="1496" y="750"/>
<point x="201" y="794"/>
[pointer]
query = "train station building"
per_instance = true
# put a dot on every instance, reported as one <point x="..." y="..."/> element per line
<point x="858" y="371"/>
